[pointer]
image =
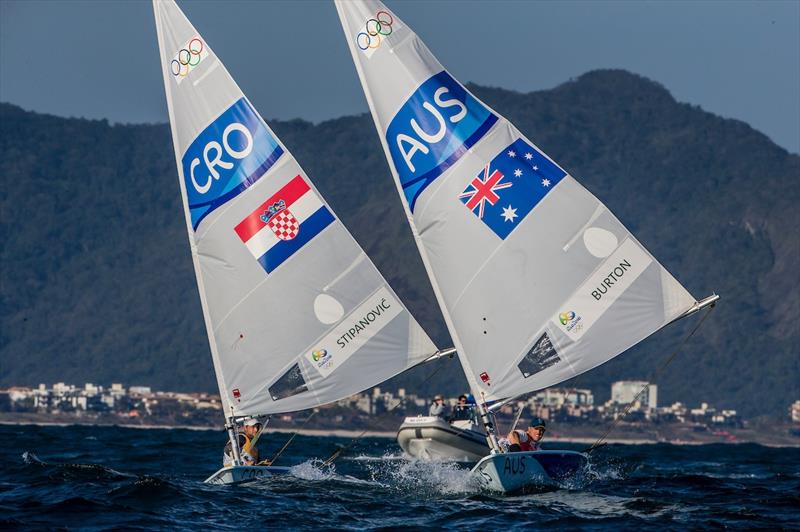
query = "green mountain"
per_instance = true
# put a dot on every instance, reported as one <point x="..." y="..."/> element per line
<point x="97" y="282"/>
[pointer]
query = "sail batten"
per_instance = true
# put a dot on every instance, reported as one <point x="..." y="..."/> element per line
<point x="536" y="279"/>
<point x="297" y="316"/>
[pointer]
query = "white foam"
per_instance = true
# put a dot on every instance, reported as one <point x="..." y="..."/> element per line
<point x="316" y="470"/>
<point x="424" y="477"/>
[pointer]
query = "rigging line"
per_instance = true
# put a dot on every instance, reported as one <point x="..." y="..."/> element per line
<point x="352" y="442"/>
<point x="652" y="378"/>
<point x="516" y="419"/>
<point x="285" y="445"/>
<point x="259" y="433"/>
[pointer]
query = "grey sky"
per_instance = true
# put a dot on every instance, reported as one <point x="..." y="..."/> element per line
<point x="98" y="58"/>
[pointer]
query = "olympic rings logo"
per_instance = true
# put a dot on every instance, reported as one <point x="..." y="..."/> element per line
<point x="187" y="58"/>
<point x="374" y="31"/>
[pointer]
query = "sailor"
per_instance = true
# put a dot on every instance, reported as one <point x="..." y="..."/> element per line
<point x="527" y="440"/>
<point x="247" y="450"/>
<point x="437" y="407"/>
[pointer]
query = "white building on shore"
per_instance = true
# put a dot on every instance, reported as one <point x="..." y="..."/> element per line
<point x="625" y="392"/>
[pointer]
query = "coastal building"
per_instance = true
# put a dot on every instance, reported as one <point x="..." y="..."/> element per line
<point x="794" y="412"/>
<point x="625" y="392"/>
<point x="558" y="397"/>
<point x="708" y="415"/>
<point x="561" y="404"/>
<point x="555" y="404"/>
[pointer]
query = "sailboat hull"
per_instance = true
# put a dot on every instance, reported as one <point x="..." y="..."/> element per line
<point x="527" y="471"/>
<point x="239" y="474"/>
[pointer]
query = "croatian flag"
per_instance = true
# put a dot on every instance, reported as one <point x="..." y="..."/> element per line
<point x="283" y="224"/>
<point x="510" y="186"/>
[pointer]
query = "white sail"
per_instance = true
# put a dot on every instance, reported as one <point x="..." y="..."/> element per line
<point x="297" y="315"/>
<point x="537" y="280"/>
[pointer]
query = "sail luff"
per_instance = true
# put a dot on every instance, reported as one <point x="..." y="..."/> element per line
<point x="409" y="216"/>
<point x="212" y="344"/>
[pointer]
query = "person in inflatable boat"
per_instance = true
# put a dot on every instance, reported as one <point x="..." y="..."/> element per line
<point x="527" y="440"/>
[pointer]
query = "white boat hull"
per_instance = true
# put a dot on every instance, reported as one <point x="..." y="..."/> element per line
<point x="527" y="471"/>
<point x="239" y="474"/>
<point x="432" y="438"/>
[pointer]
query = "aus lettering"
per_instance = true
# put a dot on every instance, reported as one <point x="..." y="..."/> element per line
<point x="432" y="130"/>
<point x="514" y="465"/>
<point x="409" y="145"/>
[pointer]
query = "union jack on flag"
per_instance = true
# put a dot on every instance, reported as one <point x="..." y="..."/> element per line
<point x="508" y="188"/>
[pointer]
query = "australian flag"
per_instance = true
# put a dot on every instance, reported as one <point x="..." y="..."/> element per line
<point x="510" y="186"/>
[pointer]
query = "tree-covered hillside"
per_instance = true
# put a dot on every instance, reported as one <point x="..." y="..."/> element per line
<point x="97" y="282"/>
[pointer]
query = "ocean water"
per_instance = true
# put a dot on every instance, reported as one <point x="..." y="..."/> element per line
<point x="117" y="478"/>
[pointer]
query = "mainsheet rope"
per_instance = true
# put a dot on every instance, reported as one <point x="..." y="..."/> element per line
<point x="285" y="445"/>
<point x="652" y="378"/>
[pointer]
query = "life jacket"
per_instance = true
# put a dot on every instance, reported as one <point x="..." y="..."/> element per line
<point x="247" y="451"/>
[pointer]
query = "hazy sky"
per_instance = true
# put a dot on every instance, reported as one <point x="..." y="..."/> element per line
<point x="99" y="59"/>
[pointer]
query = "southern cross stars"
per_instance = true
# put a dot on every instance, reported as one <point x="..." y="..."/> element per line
<point x="509" y="214"/>
<point x="512" y="153"/>
<point x="517" y="172"/>
<point x="545" y="182"/>
<point x="528" y="156"/>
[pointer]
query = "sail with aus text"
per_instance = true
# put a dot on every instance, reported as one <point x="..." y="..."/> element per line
<point x="537" y="280"/>
<point x="297" y="315"/>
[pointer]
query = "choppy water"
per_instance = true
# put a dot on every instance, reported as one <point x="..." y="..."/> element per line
<point x="108" y="477"/>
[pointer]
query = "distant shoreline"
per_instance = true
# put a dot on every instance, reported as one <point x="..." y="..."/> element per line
<point x="352" y="433"/>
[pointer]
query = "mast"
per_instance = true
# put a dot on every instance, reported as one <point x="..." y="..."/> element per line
<point x="229" y="424"/>
<point x="212" y="344"/>
<point x="459" y="347"/>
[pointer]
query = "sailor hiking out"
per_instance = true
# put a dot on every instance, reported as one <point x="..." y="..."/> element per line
<point x="525" y="440"/>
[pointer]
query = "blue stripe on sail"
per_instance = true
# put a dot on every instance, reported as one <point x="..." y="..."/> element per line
<point x="311" y="227"/>
<point x="246" y="183"/>
<point x="412" y="189"/>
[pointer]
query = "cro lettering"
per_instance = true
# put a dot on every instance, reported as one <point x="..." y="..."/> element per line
<point x="213" y="155"/>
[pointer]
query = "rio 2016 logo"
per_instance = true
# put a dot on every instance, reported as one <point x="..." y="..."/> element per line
<point x="375" y="30"/>
<point x="321" y="357"/>
<point x="432" y="130"/>
<point x="566" y="317"/>
<point x="570" y="320"/>
<point x="228" y="156"/>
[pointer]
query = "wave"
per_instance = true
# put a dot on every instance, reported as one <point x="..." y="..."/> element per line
<point x="74" y="471"/>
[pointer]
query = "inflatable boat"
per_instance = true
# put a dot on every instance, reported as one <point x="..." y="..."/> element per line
<point x="433" y="438"/>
